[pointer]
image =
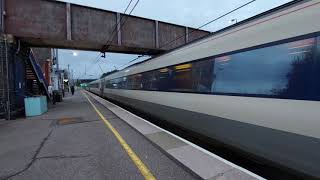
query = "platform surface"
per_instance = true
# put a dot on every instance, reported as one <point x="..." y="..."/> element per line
<point x="87" y="137"/>
<point x="72" y="142"/>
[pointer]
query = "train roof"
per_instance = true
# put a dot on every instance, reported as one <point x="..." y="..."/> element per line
<point x="95" y="81"/>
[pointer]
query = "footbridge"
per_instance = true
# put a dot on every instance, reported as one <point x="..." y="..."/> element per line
<point x="48" y="23"/>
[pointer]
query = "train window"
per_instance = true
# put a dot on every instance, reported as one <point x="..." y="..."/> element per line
<point x="181" y="78"/>
<point x="130" y="82"/>
<point x="108" y="84"/>
<point x="267" y="71"/>
<point x="202" y="74"/>
<point x="113" y="84"/>
<point x="302" y="79"/>
<point x="148" y="80"/>
<point x="136" y="81"/>
<point x="163" y="79"/>
<point x="118" y="83"/>
<point x="94" y="85"/>
<point x="123" y="83"/>
<point x="252" y="72"/>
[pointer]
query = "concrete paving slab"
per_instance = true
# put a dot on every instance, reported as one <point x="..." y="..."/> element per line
<point x="72" y="168"/>
<point x="15" y="153"/>
<point x="203" y="164"/>
<point x="142" y="127"/>
<point x="165" y="140"/>
<point x="231" y="174"/>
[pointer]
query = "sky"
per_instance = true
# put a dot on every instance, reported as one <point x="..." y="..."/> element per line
<point x="183" y="12"/>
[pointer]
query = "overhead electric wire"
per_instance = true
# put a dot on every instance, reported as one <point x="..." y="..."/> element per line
<point x="97" y="59"/>
<point x="94" y="60"/>
<point x="246" y="4"/>
<point x="121" y="25"/>
<point x="116" y="27"/>
<point x="130" y="61"/>
<point x="106" y="46"/>
<point x="127" y="7"/>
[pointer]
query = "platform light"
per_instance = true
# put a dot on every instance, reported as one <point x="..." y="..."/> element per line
<point x="164" y="70"/>
<point x="301" y="46"/>
<point x="302" y="43"/>
<point x="299" y="52"/>
<point x="183" y="66"/>
<point x="74" y="53"/>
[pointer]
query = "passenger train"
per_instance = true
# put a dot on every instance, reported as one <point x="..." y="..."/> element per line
<point x="254" y="86"/>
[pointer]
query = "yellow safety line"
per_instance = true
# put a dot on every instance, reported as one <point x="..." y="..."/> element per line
<point x="137" y="161"/>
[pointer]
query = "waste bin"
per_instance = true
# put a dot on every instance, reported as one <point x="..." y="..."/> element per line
<point x="35" y="106"/>
<point x="57" y="96"/>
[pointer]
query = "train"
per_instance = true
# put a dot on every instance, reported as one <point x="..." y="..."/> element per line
<point x="254" y="86"/>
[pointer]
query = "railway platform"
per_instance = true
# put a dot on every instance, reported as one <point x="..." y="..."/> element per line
<point x="87" y="137"/>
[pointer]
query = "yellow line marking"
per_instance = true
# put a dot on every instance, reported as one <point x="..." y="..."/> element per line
<point x="137" y="161"/>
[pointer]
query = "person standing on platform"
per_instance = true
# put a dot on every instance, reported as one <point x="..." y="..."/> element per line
<point x="51" y="94"/>
<point x="72" y="89"/>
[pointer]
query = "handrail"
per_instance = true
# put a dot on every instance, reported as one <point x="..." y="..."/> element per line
<point x="37" y="70"/>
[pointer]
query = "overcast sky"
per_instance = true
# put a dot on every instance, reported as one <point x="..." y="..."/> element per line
<point x="184" y="12"/>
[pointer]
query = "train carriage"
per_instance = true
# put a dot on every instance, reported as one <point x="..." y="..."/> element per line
<point x="254" y="86"/>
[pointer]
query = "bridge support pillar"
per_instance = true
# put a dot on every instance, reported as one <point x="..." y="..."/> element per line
<point x="7" y="97"/>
